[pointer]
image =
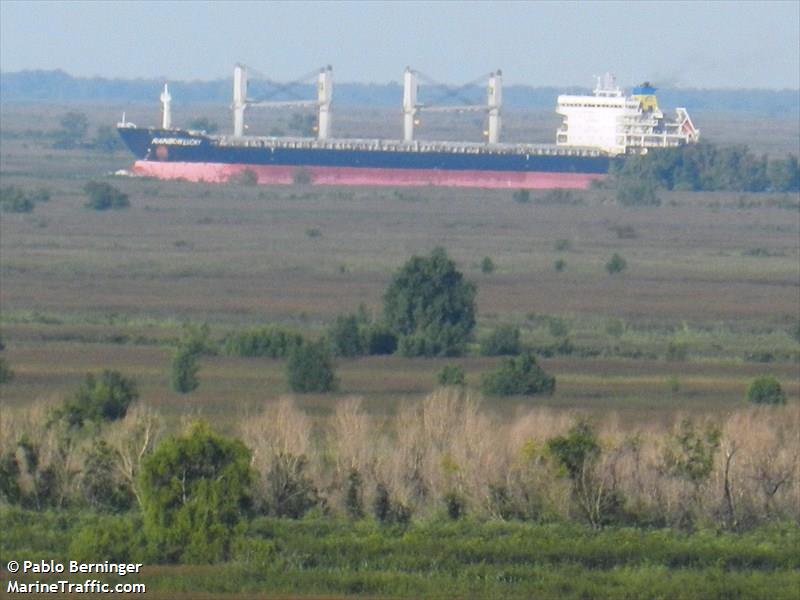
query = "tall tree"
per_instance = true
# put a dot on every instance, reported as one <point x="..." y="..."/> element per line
<point x="430" y="306"/>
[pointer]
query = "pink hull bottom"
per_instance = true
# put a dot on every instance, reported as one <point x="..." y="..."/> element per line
<point x="268" y="174"/>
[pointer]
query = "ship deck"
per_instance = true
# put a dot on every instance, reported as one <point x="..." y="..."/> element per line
<point x="379" y="145"/>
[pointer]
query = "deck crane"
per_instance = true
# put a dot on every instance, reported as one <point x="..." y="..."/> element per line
<point x="323" y="102"/>
<point x="411" y="107"/>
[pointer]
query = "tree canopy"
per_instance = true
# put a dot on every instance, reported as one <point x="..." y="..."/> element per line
<point x="196" y="488"/>
<point x="430" y="306"/>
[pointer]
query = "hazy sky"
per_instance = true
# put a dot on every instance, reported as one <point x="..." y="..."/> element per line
<point x="688" y="44"/>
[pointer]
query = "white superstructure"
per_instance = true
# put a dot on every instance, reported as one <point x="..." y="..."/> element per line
<point x="619" y="124"/>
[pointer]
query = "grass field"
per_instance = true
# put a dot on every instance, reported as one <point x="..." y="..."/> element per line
<point x="716" y="275"/>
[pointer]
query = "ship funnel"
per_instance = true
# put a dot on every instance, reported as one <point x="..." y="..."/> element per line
<point x="166" y="110"/>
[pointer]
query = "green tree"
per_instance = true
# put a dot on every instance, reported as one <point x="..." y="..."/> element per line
<point x="196" y="491"/>
<point x="184" y="370"/>
<point x="74" y="126"/>
<point x="766" y="390"/>
<point x="487" y="265"/>
<point x="104" y="398"/>
<point x="310" y="368"/>
<point x="576" y="450"/>
<point x="102" y="196"/>
<point x="616" y="264"/>
<point x="430" y="307"/>
<point x="520" y="375"/>
<point x="784" y="175"/>
<point x="193" y="343"/>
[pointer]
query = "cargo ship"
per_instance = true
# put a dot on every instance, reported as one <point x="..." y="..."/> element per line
<point x="597" y="130"/>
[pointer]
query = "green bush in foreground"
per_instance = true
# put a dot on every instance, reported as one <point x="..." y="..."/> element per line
<point x="195" y="492"/>
<point x="766" y="390"/>
<point x="520" y="375"/>
<point x="438" y="558"/>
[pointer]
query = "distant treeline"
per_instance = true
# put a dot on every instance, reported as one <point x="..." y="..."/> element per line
<point x="706" y="167"/>
<point x="58" y="86"/>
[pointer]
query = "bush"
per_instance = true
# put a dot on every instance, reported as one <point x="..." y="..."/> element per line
<point x="310" y="368"/>
<point x="196" y="489"/>
<point x="430" y="307"/>
<point x="487" y="265"/>
<point x="677" y="351"/>
<point x="637" y="193"/>
<point x="106" y="398"/>
<point x="690" y="454"/>
<point x="345" y="336"/>
<point x="766" y="390"/>
<point x="625" y="232"/>
<point x="521" y="375"/>
<point x="271" y="342"/>
<point x="451" y="375"/>
<point x="103" y="196"/>
<point x="504" y="340"/>
<point x="521" y="196"/>
<point x="616" y="264"/>
<point x="379" y="339"/>
<point x="116" y="538"/>
<point x="562" y="245"/>
<point x="246" y="177"/>
<point x="557" y="327"/>
<point x="14" y="199"/>
<point x="575" y="450"/>
<point x="6" y="374"/>
<point x="559" y="265"/>
<point x="74" y="126"/>
<point x="184" y="370"/>
<point x="615" y="327"/>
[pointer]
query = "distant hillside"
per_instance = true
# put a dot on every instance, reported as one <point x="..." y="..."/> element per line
<point x="58" y="86"/>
